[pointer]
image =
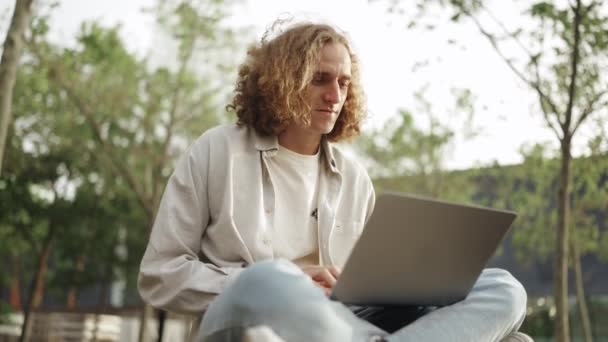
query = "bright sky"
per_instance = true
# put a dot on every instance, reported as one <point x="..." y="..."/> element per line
<point x="388" y="53"/>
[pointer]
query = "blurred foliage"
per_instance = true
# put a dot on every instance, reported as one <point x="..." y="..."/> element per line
<point x="404" y="155"/>
<point x="540" y="320"/>
<point x="97" y="129"/>
<point x="529" y="190"/>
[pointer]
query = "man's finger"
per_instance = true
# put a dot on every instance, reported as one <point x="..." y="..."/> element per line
<point x="323" y="286"/>
<point x="327" y="277"/>
<point x="323" y="275"/>
<point x="335" y="271"/>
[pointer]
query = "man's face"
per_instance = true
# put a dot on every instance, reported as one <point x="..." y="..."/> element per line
<point x="329" y="87"/>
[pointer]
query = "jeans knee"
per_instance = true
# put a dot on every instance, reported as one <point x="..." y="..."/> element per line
<point x="270" y="269"/>
<point x="276" y="294"/>
<point x="267" y="284"/>
<point x="269" y="277"/>
<point x="513" y="291"/>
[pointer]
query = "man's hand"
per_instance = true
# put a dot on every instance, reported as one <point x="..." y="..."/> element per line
<point x="324" y="277"/>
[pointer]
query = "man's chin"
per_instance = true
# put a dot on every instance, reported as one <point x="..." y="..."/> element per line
<point x="321" y="127"/>
<point x="326" y="132"/>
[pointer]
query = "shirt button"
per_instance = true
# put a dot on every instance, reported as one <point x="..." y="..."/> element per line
<point x="268" y="210"/>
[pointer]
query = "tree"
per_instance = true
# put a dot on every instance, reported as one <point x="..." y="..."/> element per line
<point x="589" y="196"/>
<point x="563" y="59"/>
<point x="571" y="89"/>
<point x="137" y="118"/>
<point x="40" y="210"/>
<point x="47" y="179"/>
<point x="107" y="125"/>
<point x="8" y="67"/>
<point x="527" y="189"/>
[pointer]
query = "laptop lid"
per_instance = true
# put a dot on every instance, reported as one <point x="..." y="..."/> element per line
<point x="420" y="251"/>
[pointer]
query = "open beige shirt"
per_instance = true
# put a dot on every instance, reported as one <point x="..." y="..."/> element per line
<point x="216" y="217"/>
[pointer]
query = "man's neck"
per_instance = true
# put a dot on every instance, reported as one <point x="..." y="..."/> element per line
<point x="300" y="142"/>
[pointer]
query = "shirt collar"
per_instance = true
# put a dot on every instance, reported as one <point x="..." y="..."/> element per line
<point x="328" y="152"/>
<point x="270" y="144"/>
<point x="265" y="143"/>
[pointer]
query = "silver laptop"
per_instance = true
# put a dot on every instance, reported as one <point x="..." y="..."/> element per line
<point x="420" y="251"/>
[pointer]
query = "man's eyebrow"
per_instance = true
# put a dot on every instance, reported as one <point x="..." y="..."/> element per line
<point x="327" y="73"/>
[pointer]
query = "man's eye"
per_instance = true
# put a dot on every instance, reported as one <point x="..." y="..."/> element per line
<point x="317" y="79"/>
<point x="344" y="85"/>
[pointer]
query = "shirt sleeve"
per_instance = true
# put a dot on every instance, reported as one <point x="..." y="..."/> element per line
<point x="171" y="275"/>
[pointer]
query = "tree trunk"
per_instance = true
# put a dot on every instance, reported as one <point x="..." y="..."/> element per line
<point x="34" y="296"/>
<point x="580" y="291"/>
<point x="72" y="299"/>
<point x="562" y="327"/>
<point x="8" y="67"/>
<point x="42" y="270"/>
<point x="15" y="284"/>
<point x="560" y="281"/>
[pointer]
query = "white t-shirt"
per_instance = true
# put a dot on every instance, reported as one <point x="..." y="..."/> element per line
<point x="295" y="180"/>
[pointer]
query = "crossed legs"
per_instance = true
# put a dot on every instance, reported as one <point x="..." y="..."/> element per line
<point x="279" y="295"/>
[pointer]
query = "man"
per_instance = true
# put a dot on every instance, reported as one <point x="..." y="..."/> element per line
<point x="274" y="186"/>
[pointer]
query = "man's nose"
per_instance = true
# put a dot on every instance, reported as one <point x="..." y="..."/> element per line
<point x="332" y="93"/>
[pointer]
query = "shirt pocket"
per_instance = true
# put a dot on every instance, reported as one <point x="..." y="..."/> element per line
<point x="342" y="239"/>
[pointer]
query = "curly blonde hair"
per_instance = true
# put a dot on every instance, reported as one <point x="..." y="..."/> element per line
<point x="270" y="89"/>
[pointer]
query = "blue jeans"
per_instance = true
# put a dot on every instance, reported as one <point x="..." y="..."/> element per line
<point x="279" y="295"/>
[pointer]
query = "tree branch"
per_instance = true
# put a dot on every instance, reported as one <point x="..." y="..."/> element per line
<point x="589" y="109"/>
<point x="548" y="117"/>
<point x="492" y="41"/>
<point x="546" y="100"/>
<point x="57" y="74"/>
<point x="536" y="85"/>
<point x="574" y="68"/>
<point x="505" y="30"/>
<point x="175" y="105"/>
<point x="115" y="161"/>
<point x="9" y="63"/>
